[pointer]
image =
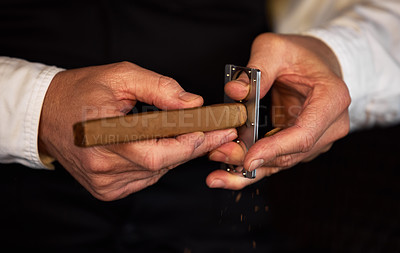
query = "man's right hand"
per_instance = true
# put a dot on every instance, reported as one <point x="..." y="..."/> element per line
<point x="114" y="171"/>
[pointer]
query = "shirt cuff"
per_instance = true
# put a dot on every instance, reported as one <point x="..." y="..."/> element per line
<point x="356" y="61"/>
<point x="34" y="110"/>
<point x="23" y="86"/>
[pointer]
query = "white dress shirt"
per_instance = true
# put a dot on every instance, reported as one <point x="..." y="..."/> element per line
<point x="23" y="86"/>
<point x="365" y="36"/>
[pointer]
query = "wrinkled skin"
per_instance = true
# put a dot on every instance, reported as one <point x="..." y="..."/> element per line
<point x="114" y="171"/>
<point x="309" y="101"/>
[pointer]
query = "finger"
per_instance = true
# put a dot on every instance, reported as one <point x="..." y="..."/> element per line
<point x="318" y="152"/>
<point x="289" y="160"/>
<point x="136" y="186"/>
<point x="126" y="186"/>
<point x="214" y="140"/>
<point x="318" y="114"/>
<point x="274" y="155"/>
<point x="155" y="154"/>
<point x="227" y="180"/>
<point x="270" y="64"/>
<point x="230" y="153"/>
<point x="162" y="153"/>
<point x="152" y="88"/>
<point x="104" y="160"/>
<point x="103" y="183"/>
<point x="237" y="89"/>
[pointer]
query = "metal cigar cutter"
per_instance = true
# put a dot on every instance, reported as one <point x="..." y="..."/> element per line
<point x="248" y="133"/>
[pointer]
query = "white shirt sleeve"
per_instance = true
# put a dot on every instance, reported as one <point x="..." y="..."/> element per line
<point x="23" y="86"/>
<point x="366" y="40"/>
<point x="365" y="36"/>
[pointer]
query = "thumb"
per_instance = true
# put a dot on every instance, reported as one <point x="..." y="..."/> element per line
<point x="265" y="56"/>
<point x="155" y="89"/>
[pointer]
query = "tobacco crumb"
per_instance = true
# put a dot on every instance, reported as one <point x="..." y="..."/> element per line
<point x="241" y="217"/>
<point x="252" y="195"/>
<point x="238" y="197"/>
<point x="257" y="192"/>
<point x="254" y="244"/>
<point x="266" y="208"/>
<point x="256" y="208"/>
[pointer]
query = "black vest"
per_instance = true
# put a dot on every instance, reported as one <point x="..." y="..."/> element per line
<point x="190" y="41"/>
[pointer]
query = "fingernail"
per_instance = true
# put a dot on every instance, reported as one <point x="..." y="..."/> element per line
<point x="230" y="137"/>
<point x="217" y="155"/>
<point x="199" y="141"/>
<point x="243" y="83"/>
<point x="187" y="96"/>
<point x="256" y="164"/>
<point x="217" y="183"/>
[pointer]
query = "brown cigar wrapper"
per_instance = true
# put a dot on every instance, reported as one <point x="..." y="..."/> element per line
<point x="158" y="124"/>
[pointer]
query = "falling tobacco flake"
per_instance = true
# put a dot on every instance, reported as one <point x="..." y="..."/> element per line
<point x="238" y="197"/>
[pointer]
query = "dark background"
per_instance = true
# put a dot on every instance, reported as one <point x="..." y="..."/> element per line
<point x="347" y="200"/>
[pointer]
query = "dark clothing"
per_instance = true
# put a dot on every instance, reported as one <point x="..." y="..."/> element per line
<point x="190" y="41"/>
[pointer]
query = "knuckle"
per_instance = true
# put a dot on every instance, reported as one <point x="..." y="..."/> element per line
<point x="327" y="148"/>
<point x="152" y="163"/>
<point x="97" y="166"/>
<point x="106" y="196"/>
<point x="168" y="87"/>
<point x="278" y="149"/>
<point x="167" y="82"/>
<point x="285" y="161"/>
<point x="101" y="183"/>
<point x="346" y="98"/>
<point x="342" y="128"/>
<point x="342" y="97"/>
<point x="307" y="141"/>
<point x="117" y="72"/>
<point x="187" y="147"/>
<point x="238" y="186"/>
<point x="118" y="68"/>
<point x="122" y="67"/>
<point x="345" y="130"/>
<point x="272" y="170"/>
<point x="105" y="188"/>
<point x="153" y="180"/>
<point x="261" y="38"/>
<point x="270" y="40"/>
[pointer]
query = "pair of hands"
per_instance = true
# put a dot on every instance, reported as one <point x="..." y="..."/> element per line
<point x="308" y="91"/>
